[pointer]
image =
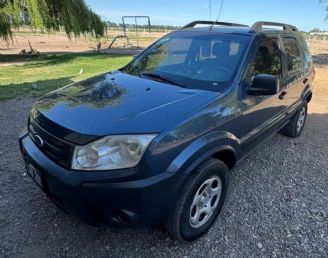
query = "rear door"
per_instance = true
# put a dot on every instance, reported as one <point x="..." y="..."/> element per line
<point x="295" y="79"/>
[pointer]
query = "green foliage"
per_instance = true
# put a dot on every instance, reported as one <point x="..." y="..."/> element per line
<point x="5" y="31"/>
<point x="43" y="73"/>
<point x="315" y="30"/>
<point x="325" y="2"/>
<point x="51" y="15"/>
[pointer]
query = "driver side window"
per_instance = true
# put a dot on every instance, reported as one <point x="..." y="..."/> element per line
<point x="267" y="59"/>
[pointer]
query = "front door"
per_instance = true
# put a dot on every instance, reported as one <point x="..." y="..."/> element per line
<point x="262" y="115"/>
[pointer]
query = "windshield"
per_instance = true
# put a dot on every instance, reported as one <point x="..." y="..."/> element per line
<point x="192" y="60"/>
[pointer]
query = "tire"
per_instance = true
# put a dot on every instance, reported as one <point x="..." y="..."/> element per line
<point x="295" y="126"/>
<point x="182" y="221"/>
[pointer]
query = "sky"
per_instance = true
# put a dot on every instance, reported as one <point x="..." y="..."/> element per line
<point x="305" y="14"/>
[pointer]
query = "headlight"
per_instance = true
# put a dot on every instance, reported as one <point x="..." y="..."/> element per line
<point x="111" y="152"/>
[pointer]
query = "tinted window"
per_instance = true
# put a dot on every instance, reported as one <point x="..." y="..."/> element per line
<point x="307" y="54"/>
<point x="267" y="59"/>
<point x="209" y="51"/>
<point x="194" y="60"/>
<point x="293" y="54"/>
<point x="178" y="49"/>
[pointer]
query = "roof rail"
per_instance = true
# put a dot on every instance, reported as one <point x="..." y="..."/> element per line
<point x="194" y="23"/>
<point x="258" y="26"/>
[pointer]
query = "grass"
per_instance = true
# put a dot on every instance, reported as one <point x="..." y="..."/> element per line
<point x="38" y="75"/>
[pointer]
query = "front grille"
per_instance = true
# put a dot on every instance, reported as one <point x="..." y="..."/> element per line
<point x="54" y="148"/>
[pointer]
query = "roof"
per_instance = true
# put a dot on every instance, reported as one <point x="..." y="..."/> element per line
<point x="225" y="27"/>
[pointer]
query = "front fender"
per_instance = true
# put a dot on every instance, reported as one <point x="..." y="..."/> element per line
<point x="202" y="148"/>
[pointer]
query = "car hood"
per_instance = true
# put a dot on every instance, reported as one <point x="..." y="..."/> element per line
<point x="117" y="103"/>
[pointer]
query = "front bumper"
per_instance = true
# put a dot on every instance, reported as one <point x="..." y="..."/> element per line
<point x="100" y="198"/>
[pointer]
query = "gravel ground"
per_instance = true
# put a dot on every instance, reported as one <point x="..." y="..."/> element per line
<point x="277" y="206"/>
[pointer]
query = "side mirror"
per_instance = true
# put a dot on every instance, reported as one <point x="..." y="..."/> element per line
<point x="264" y="84"/>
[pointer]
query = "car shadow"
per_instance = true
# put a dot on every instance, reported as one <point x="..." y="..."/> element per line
<point x="320" y="59"/>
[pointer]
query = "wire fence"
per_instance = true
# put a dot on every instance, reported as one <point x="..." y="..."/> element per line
<point x="160" y="29"/>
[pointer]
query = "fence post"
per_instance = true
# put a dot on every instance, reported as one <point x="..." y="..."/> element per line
<point x="324" y="40"/>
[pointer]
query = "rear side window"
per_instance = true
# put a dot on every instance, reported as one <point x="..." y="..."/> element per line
<point x="293" y="54"/>
<point x="267" y="59"/>
<point x="307" y="54"/>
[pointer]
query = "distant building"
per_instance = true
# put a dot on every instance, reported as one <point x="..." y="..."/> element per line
<point x="321" y="33"/>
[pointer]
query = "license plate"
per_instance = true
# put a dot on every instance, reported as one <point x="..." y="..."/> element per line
<point x="34" y="173"/>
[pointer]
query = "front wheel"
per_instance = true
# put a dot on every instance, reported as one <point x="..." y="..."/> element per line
<point x="200" y="201"/>
<point x="295" y="126"/>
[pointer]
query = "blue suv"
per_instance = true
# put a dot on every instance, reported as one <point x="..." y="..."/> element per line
<point x="154" y="141"/>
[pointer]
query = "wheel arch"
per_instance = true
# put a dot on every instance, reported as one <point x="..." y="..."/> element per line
<point x="227" y="156"/>
<point x="308" y="97"/>
<point x="223" y="146"/>
<point x="307" y="94"/>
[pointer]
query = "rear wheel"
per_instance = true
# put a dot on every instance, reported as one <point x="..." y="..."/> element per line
<point x="200" y="201"/>
<point x="295" y="126"/>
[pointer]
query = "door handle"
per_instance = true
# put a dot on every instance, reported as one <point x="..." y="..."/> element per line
<point x="282" y="95"/>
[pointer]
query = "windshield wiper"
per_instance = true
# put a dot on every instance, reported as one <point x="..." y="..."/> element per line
<point x="161" y="78"/>
<point x="136" y="70"/>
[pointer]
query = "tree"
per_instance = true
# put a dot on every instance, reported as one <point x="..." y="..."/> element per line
<point x="315" y="30"/>
<point x="50" y="15"/>
<point x="324" y="2"/>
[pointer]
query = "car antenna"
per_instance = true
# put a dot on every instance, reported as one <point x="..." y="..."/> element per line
<point x="218" y="16"/>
